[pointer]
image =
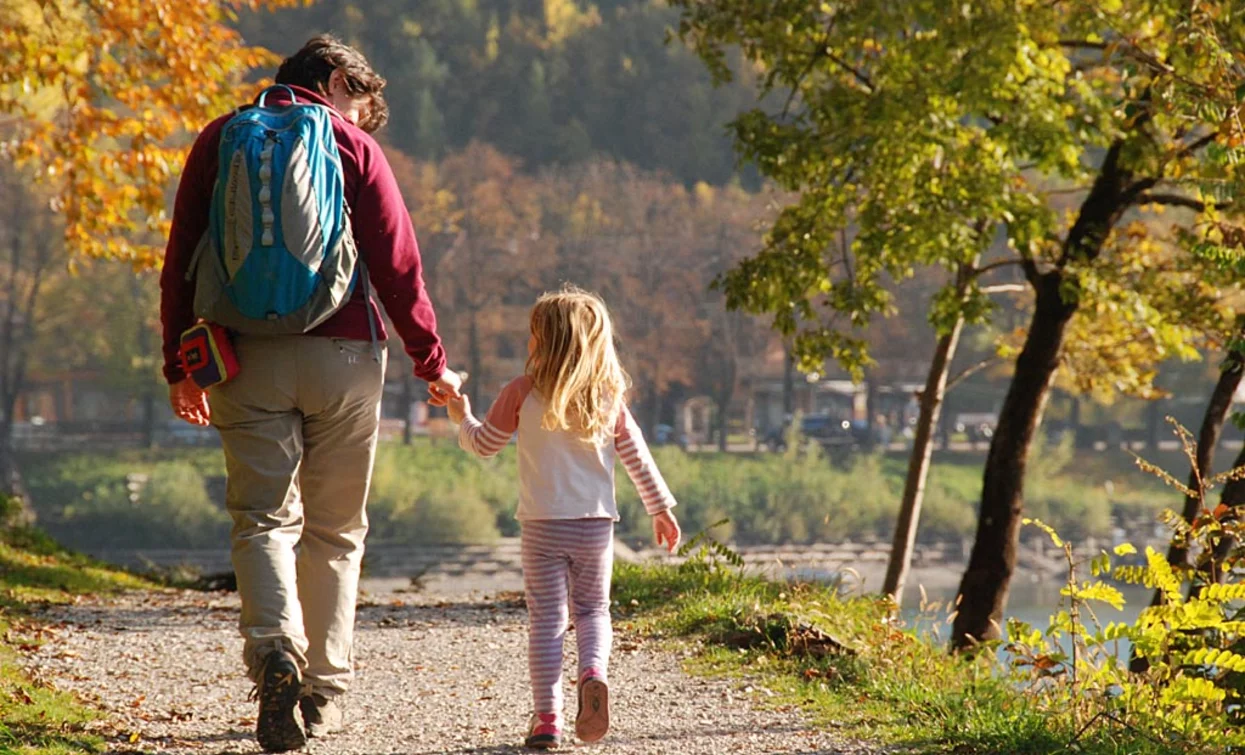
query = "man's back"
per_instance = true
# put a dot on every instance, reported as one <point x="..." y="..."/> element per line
<point x="382" y="230"/>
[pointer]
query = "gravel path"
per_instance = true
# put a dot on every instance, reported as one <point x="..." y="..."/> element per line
<point x="436" y="675"/>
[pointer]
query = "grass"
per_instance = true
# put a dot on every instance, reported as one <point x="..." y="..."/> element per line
<point x="845" y="663"/>
<point x="36" y="719"/>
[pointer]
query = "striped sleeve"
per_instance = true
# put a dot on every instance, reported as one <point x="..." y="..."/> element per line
<point x="488" y="438"/>
<point x="633" y="451"/>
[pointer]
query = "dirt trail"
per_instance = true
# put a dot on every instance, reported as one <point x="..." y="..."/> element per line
<point x="436" y="675"/>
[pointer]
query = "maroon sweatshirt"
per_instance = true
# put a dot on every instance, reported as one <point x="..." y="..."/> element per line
<point x="382" y="232"/>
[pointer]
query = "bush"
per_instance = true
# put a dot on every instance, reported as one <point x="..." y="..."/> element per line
<point x="432" y="492"/>
<point x="435" y="493"/>
<point x="91" y="504"/>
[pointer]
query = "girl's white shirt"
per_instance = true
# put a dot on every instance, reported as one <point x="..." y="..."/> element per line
<point x="560" y="475"/>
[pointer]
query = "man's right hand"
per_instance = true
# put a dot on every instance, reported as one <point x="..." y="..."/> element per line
<point x="189" y="402"/>
<point x="444" y="388"/>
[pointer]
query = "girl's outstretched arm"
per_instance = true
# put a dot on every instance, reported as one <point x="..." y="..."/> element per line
<point x="636" y="459"/>
<point x="488" y="438"/>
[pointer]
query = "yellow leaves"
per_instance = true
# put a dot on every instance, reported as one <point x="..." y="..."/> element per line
<point x="1124" y="549"/>
<point x="1222" y="593"/>
<point x="1162" y="575"/>
<point x="1050" y="531"/>
<point x="563" y="19"/>
<point x="1096" y="591"/>
<point x="1186" y="690"/>
<point x="105" y="92"/>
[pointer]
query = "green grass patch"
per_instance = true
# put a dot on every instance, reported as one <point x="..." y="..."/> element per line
<point x="36" y="719"/>
<point x="845" y="663"/>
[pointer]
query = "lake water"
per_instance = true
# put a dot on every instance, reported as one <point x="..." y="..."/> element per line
<point x="1032" y="603"/>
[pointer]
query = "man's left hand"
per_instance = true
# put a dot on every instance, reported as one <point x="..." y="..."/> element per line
<point x="444" y="388"/>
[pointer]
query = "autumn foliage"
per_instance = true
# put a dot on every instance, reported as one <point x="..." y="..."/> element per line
<point x="99" y="99"/>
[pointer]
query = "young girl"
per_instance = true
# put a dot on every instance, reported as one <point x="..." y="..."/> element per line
<point x="568" y="410"/>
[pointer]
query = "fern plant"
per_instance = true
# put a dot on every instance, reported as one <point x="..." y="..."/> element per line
<point x="1192" y="638"/>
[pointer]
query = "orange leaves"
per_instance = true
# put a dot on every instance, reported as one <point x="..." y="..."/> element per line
<point x="101" y="101"/>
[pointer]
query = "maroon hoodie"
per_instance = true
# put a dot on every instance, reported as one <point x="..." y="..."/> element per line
<point x="382" y="231"/>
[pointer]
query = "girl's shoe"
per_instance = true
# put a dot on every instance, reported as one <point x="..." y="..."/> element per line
<point x="592" y="722"/>
<point x="543" y="733"/>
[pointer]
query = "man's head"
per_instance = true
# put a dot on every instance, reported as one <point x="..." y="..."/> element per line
<point x="343" y="76"/>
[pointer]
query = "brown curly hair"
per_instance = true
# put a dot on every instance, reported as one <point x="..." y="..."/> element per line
<point x="311" y="67"/>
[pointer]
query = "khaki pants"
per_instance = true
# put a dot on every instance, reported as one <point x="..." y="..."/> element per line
<point x="298" y="425"/>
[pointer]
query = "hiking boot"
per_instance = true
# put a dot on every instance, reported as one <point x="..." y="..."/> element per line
<point x="322" y="715"/>
<point x="543" y="733"/>
<point x="592" y="722"/>
<point x="278" y="727"/>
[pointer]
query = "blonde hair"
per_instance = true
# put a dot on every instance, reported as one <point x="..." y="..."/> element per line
<point x="574" y="365"/>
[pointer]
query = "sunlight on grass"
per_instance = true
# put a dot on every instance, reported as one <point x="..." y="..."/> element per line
<point x="845" y="663"/>
<point x="34" y="718"/>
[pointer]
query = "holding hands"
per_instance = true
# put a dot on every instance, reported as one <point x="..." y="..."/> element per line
<point x="446" y="387"/>
<point x="458" y="408"/>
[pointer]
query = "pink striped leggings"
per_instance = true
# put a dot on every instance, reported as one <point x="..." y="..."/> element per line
<point x="561" y="555"/>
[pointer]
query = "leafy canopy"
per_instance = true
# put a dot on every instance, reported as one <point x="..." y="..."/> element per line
<point x="95" y="98"/>
<point x="933" y="129"/>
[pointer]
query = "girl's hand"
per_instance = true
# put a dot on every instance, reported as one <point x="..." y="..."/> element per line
<point x="666" y="530"/>
<point x="458" y="408"/>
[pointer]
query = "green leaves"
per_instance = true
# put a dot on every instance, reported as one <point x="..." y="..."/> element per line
<point x="917" y="134"/>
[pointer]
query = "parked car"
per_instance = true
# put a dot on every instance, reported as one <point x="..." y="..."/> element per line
<point x="977" y="427"/>
<point x="829" y="431"/>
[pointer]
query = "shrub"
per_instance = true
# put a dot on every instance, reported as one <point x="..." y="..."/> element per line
<point x="433" y="492"/>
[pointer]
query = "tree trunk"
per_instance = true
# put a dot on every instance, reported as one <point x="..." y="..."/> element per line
<point x="143" y="340"/>
<point x="871" y="407"/>
<point x="983" y="590"/>
<point x="654" y="413"/>
<point x="1233" y="497"/>
<point x="474" y="358"/>
<point x="1217" y="410"/>
<point x="932" y="396"/>
<point x="788" y="381"/>
<point x="1154" y="424"/>
<point x="17" y="511"/>
<point x="149" y="418"/>
<point x="408" y="404"/>
<point x="1234" y="490"/>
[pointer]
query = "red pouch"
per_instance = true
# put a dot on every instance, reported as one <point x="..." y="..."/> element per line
<point x="207" y="354"/>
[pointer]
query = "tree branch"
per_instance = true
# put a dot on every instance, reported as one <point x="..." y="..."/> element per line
<point x="968" y="372"/>
<point x="864" y="80"/>
<point x="1029" y="265"/>
<point x="822" y="51"/>
<point x="1196" y="145"/>
<point x="997" y="264"/>
<point x="1172" y="200"/>
<point x="1005" y="288"/>
<point x="1082" y="44"/>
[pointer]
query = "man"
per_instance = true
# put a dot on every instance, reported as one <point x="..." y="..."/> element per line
<point x="299" y="422"/>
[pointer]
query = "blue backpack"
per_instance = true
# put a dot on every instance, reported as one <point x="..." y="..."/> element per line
<point x="278" y="256"/>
